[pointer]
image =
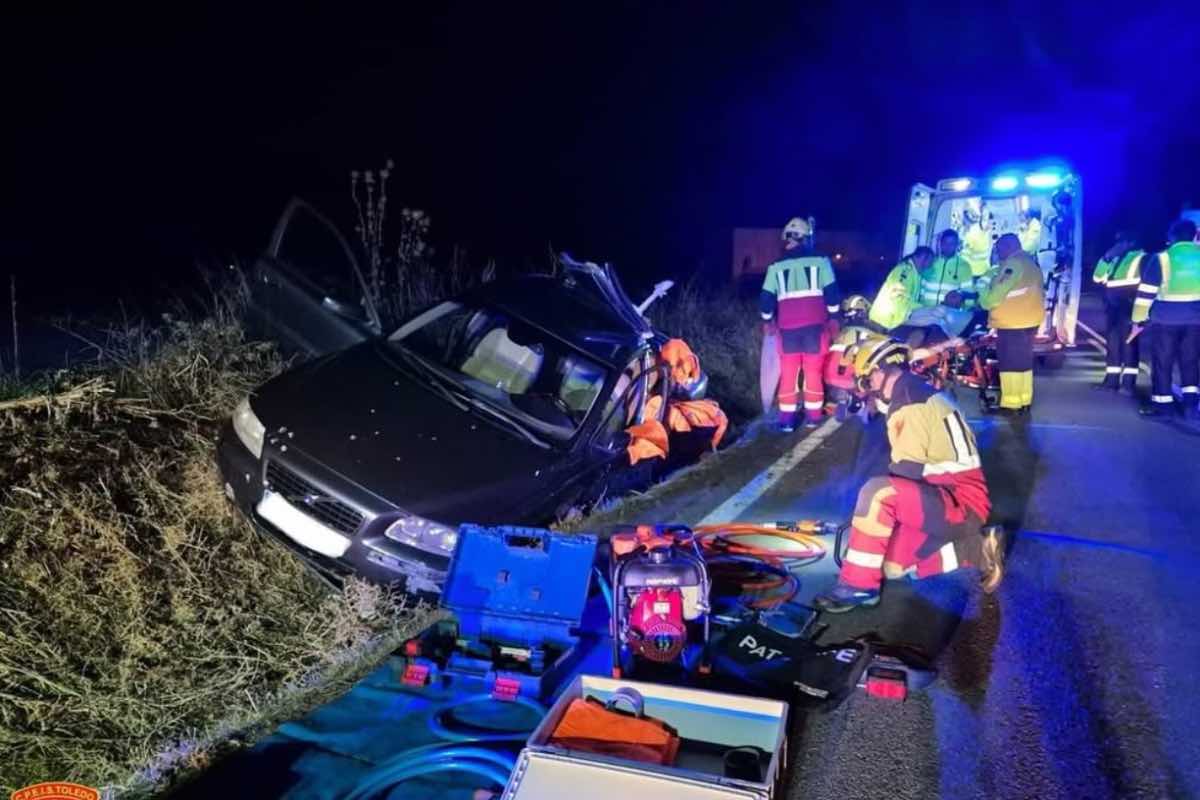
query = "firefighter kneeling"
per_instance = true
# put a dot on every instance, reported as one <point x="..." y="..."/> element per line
<point x="927" y="516"/>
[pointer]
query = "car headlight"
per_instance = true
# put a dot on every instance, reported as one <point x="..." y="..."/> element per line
<point x="423" y="534"/>
<point x="248" y="428"/>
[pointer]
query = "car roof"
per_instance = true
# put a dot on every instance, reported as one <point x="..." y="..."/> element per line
<point x="572" y="313"/>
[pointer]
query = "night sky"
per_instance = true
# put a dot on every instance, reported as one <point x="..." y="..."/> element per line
<point x="639" y="133"/>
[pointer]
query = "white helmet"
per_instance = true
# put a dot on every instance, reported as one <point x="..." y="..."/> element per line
<point x="797" y="228"/>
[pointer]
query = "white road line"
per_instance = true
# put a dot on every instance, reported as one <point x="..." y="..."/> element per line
<point x="760" y="483"/>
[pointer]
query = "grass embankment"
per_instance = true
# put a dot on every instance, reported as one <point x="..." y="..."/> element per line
<point x="143" y="624"/>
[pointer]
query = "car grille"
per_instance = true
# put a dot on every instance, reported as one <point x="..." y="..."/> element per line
<point x="297" y="491"/>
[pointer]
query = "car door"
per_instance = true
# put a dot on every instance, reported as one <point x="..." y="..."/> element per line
<point x="629" y="404"/>
<point x="307" y="292"/>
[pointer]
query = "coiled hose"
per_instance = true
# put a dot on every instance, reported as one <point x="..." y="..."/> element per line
<point x="763" y="573"/>
<point x="456" y="756"/>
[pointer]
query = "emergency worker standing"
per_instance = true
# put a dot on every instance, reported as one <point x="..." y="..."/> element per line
<point x="799" y="294"/>
<point x="927" y="515"/>
<point x="949" y="272"/>
<point x="1168" y="297"/>
<point x="1119" y="273"/>
<point x="901" y="290"/>
<point x="1016" y="303"/>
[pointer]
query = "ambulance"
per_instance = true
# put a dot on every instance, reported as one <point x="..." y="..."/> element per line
<point x="1041" y="204"/>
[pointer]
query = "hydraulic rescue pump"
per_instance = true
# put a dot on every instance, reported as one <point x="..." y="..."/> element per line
<point x="660" y="589"/>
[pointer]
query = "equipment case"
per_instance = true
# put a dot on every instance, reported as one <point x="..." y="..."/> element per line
<point x="516" y="596"/>
<point x="707" y="722"/>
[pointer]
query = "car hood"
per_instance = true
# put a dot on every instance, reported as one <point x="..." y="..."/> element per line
<point x="366" y="416"/>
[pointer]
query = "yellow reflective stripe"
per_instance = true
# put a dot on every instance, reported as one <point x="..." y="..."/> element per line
<point x="1123" y="282"/>
<point x="1180" y="298"/>
<point x="1148" y="288"/>
<point x="1143" y="301"/>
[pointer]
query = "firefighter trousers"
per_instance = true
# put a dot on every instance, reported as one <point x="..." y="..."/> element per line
<point x="1175" y="344"/>
<point x="901" y="525"/>
<point x="793" y="367"/>
<point x="1014" y="356"/>
<point x="1122" y="359"/>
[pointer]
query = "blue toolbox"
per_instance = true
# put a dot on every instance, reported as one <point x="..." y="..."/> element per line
<point x="516" y="597"/>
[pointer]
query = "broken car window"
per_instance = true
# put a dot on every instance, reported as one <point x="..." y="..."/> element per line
<point x="518" y="369"/>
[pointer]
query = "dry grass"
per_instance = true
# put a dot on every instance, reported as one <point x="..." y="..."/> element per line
<point x="142" y="622"/>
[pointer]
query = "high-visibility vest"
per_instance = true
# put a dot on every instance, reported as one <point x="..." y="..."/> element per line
<point x="900" y="293"/>
<point x="946" y="275"/>
<point x="1016" y="298"/>
<point x="1121" y="273"/>
<point x="1172" y="279"/>
<point x="977" y="249"/>
<point x="799" y="292"/>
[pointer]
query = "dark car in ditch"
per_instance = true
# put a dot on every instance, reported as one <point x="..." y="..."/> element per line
<point x="505" y="405"/>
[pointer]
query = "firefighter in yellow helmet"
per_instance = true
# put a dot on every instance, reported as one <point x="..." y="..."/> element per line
<point x="926" y="516"/>
<point x="1016" y="305"/>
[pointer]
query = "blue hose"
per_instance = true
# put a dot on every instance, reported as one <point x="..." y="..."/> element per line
<point x="484" y="763"/>
<point x="604" y="590"/>
<point x="438" y="724"/>
<point x="431" y="759"/>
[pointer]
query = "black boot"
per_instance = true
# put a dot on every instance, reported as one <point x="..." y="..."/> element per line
<point x="1110" y="382"/>
<point x="1157" y="409"/>
<point x="1129" y="383"/>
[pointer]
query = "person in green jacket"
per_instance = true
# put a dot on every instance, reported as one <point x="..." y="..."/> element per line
<point x="947" y="273"/>
<point x="901" y="291"/>
<point x="1119" y="272"/>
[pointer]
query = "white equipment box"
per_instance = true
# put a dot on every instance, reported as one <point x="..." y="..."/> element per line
<point x="708" y="724"/>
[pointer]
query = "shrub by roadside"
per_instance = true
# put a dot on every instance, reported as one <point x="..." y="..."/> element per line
<point x="142" y="622"/>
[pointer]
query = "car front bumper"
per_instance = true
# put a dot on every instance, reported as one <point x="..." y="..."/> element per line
<point x="371" y="555"/>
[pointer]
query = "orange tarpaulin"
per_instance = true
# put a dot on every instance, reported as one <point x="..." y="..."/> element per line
<point x="588" y="726"/>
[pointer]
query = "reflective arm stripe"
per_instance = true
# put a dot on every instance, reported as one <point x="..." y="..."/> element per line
<point x="1017" y="292"/>
<point x="1120" y="283"/>
<point x="1144" y="301"/>
<point x="799" y="293"/>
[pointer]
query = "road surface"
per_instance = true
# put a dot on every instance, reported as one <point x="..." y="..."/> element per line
<point x="1078" y="678"/>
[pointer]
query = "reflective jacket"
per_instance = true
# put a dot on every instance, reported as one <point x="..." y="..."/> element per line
<point x="799" y="291"/>
<point x="1169" y="292"/>
<point x="977" y="250"/>
<point x="1031" y="236"/>
<point x="900" y="293"/>
<point x="932" y="442"/>
<point x="946" y="275"/>
<point x="1015" y="297"/>
<point x="1120" y="273"/>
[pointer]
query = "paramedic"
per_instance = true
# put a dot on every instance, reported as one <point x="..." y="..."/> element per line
<point x="1016" y="304"/>
<point x="799" y="294"/>
<point x="901" y="291"/>
<point x="927" y="515"/>
<point x="1168" y="297"/>
<point x="1118" y="272"/>
<point x="947" y="273"/>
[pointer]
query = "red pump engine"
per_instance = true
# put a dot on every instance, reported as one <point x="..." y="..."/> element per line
<point x="660" y="585"/>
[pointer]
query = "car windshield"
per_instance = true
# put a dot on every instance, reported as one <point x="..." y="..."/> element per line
<point x="517" y="369"/>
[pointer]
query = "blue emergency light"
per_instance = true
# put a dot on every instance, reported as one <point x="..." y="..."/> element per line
<point x="1004" y="183"/>
<point x="1043" y="180"/>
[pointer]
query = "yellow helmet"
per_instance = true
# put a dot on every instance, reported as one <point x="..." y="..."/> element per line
<point x="874" y="352"/>
<point x="856" y="304"/>
<point x="797" y="228"/>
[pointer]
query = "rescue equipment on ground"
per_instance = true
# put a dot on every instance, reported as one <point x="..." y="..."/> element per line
<point x="660" y="590"/>
<point x="516" y="597"/>
<point x="730" y="746"/>
<point x="753" y="563"/>
<point x="590" y="725"/>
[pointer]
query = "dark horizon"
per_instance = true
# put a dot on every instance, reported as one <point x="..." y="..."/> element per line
<point x="636" y="135"/>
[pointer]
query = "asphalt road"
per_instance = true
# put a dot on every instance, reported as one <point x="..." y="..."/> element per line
<point x="1077" y="679"/>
